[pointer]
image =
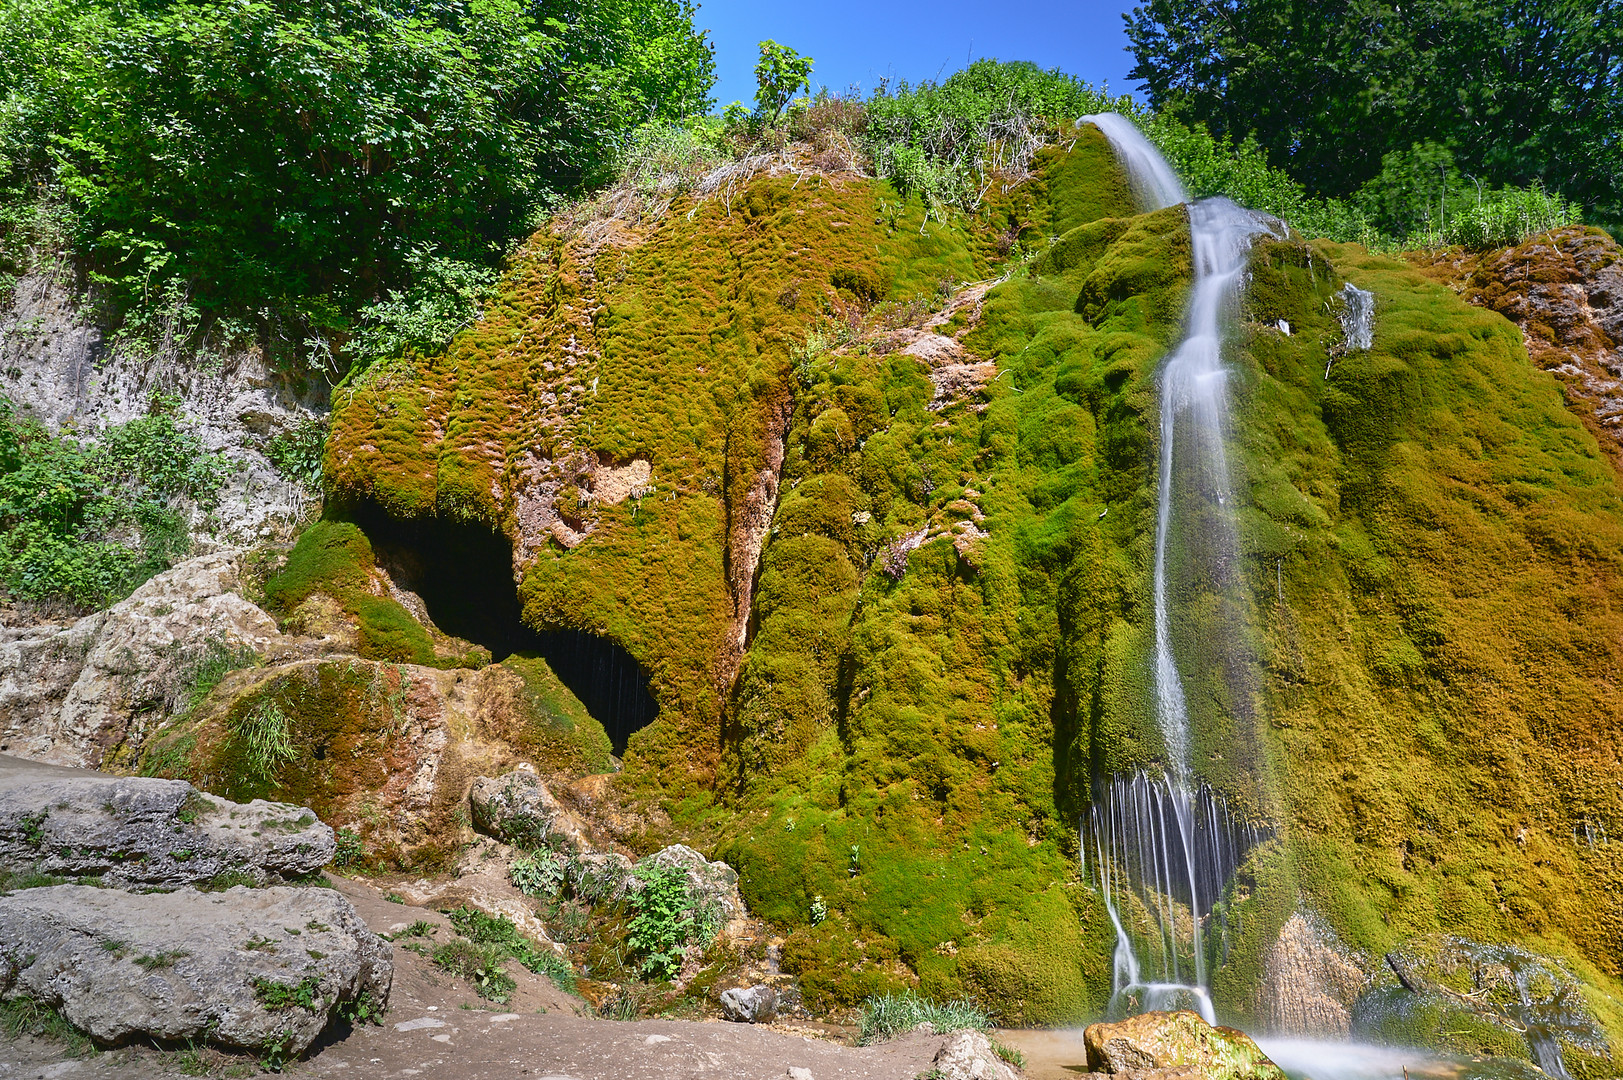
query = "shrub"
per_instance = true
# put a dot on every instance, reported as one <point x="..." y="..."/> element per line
<point x="666" y="920"/>
<point x="89" y="521"/>
<point x="944" y="140"/>
<point x="296" y="453"/>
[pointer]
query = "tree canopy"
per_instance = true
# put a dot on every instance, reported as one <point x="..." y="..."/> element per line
<point x="1517" y="92"/>
<point x="267" y="149"/>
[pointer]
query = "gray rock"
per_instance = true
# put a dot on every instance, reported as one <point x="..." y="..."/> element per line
<point x="518" y="808"/>
<point x="130" y="830"/>
<point x="251" y="968"/>
<point x="757" y="1005"/>
<point x="598" y="876"/>
<point x="85" y="694"/>
<point x="713" y="884"/>
<point x="968" y="1055"/>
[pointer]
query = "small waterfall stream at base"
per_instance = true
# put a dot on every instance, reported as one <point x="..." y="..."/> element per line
<point x="1166" y="847"/>
<point x="1163" y="854"/>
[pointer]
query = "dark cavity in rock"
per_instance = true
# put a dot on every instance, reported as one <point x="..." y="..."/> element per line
<point x="464" y="574"/>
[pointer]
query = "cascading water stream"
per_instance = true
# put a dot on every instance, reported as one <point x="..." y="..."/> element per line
<point x="1168" y="844"/>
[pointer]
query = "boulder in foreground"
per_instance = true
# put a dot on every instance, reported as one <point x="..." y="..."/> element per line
<point x="1181" y="1041"/>
<point x="260" y="969"/>
<point x="134" y="831"/>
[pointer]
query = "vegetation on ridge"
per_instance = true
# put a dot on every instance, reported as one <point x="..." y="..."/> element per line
<point x="1340" y="94"/>
<point x="266" y="171"/>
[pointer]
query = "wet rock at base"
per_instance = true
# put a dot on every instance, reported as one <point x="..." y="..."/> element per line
<point x="136" y="831"/>
<point x="1176" y="1046"/>
<point x="755" y="1005"/>
<point x="968" y="1055"/>
<point x="251" y="968"/>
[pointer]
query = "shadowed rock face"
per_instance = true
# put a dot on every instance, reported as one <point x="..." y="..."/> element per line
<point x="147" y="832"/>
<point x="252" y="968"/>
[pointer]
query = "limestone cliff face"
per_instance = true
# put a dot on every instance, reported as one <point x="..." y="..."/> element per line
<point x="58" y="365"/>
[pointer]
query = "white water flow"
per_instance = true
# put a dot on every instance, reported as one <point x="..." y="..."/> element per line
<point x="1165" y="848"/>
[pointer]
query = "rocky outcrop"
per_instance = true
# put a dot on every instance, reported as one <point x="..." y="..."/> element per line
<point x="1564" y="288"/>
<point x="132" y="831"/>
<point x="1179" y="1043"/>
<point x="63" y="370"/>
<point x="262" y="969"/>
<point x="518" y="809"/>
<point x="88" y="693"/>
<point x="1309" y="983"/>
<point x="968" y="1055"/>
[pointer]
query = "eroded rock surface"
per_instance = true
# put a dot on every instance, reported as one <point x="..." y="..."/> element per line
<point x="86" y="694"/>
<point x="1179" y="1041"/>
<point x="1309" y="983"/>
<point x="253" y="968"/>
<point x="135" y="831"/>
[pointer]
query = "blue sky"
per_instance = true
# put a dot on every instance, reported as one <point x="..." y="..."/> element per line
<point x="860" y="42"/>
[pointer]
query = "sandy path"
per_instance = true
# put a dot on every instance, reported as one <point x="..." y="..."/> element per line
<point x="436" y="1027"/>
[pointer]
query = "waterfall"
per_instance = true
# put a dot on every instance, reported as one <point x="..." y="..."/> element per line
<point x="1154" y="183"/>
<point x="1357" y="317"/>
<point x="1168" y="846"/>
<point x="1163" y="855"/>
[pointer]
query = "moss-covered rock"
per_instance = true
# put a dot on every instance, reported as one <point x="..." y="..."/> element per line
<point x="883" y="546"/>
<point x="387" y="751"/>
<point x="1179" y="1041"/>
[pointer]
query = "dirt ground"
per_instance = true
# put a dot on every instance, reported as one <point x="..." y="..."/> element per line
<point x="436" y="1027"/>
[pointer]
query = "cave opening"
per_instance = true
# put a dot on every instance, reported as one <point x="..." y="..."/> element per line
<point x="464" y="574"/>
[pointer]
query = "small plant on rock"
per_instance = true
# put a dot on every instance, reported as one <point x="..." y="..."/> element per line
<point x="667" y="920"/>
<point x="541" y="874"/>
<point x="351" y="849"/>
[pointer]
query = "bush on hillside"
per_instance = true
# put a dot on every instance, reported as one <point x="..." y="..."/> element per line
<point x="271" y="160"/>
<point x="89" y="521"/>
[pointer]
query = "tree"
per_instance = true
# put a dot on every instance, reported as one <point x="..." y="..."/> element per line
<point x="780" y="74"/>
<point x="1519" y="91"/>
<point x="271" y="151"/>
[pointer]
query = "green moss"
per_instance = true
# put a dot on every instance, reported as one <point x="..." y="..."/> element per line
<point x="555" y="731"/>
<point x="334" y="558"/>
<point x="1423" y="698"/>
